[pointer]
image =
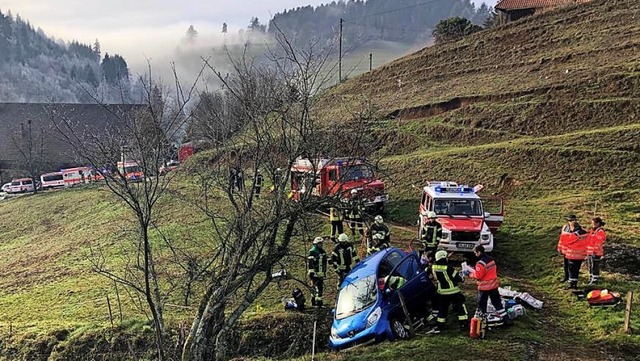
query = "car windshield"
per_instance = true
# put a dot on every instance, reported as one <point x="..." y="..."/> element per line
<point x="357" y="172"/>
<point x="132" y="169"/>
<point x="356" y="296"/>
<point x="458" y="207"/>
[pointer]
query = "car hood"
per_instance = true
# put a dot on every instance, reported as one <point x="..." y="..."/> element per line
<point x="462" y="224"/>
<point x="354" y="324"/>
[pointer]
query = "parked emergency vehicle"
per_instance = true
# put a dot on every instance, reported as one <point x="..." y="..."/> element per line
<point x="77" y="175"/>
<point x="52" y="180"/>
<point x="338" y="177"/>
<point x="185" y="151"/>
<point x="460" y="211"/>
<point x="21" y="185"/>
<point x="131" y="170"/>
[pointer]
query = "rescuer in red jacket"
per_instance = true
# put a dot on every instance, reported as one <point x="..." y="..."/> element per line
<point x="576" y="252"/>
<point x="486" y="272"/>
<point x="562" y="240"/>
<point x="595" y="249"/>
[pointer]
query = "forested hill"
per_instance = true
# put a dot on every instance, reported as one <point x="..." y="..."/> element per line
<point x="35" y="68"/>
<point x="394" y="20"/>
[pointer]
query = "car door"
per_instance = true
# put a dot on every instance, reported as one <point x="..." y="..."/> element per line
<point x="416" y="283"/>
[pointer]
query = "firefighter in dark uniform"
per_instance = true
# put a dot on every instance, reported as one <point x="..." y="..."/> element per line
<point x="378" y="228"/>
<point x="431" y="233"/>
<point x="317" y="270"/>
<point x="335" y="217"/>
<point x="355" y="213"/>
<point x="257" y="187"/>
<point x="447" y="280"/>
<point x="344" y="255"/>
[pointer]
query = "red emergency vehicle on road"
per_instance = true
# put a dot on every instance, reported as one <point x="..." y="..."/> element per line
<point x="460" y="211"/>
<point x="338" y="177"/>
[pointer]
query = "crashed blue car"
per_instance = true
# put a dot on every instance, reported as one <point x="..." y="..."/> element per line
<point x="369" y="309"/>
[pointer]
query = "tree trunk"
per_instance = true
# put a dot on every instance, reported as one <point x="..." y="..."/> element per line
<point x="207" y="324"/>
<point x="154" y="306"/>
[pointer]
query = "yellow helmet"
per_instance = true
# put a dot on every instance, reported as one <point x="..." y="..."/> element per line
<point x="441" y="255"/>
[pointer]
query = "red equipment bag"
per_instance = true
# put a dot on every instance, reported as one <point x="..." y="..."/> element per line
<point x="603" y="298"/>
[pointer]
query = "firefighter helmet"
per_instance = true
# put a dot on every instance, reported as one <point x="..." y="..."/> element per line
<point x="432" y="215"/>
<point x="379" y="219"/>
<point x="354" y="191"/>
<point x="318" y="240"/>
<point x="441" y="255"/>
<point x="343" y="238"/>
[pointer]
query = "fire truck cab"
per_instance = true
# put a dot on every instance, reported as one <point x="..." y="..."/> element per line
<point x="460" y="211"/>
<point x="338" y="177"/>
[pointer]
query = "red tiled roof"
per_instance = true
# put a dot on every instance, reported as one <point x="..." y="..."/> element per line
<point x="528" y="4"/>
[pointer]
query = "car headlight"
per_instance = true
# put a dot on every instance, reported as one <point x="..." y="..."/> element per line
<point x="334" y="334"/>
<point x="445" y="236"/>
<point x="374" y="317"/>
<point x="485" y="237"/>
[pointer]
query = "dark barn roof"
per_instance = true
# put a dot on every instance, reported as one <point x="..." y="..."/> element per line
<point x="531" y="4"/>
<point x="41" y="115"/>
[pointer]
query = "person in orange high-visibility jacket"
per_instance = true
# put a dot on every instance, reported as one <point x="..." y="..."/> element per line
<point x="576" y="252"/>
<point x="595" y="249"/>
<point x="562" y="240"/>
<point x="486" y="272"/>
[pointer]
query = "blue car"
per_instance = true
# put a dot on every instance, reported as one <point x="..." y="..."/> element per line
<point x="369" y="309"/>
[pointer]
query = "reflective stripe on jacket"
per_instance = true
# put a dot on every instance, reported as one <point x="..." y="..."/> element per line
<point x="447" y="279"/>
<point x="597" y="237"/>
<point x="486" y="272"/>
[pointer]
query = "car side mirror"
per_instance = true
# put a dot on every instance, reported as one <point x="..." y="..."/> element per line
<point x="487" y="214"/>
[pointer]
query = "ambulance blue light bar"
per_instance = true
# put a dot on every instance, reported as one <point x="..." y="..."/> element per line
<point x="460" y="189"/>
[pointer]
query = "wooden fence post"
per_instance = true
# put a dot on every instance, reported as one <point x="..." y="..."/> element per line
<point x="627" y="313"/>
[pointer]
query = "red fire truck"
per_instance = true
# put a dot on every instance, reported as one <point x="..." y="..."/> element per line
<point x="462" y="214"/>
<point x="338" y="177"/>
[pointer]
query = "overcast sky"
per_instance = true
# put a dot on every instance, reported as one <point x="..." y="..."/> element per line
<point x="139" y="29"/>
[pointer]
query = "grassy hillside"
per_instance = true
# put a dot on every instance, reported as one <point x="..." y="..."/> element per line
<point x="544" y="112"/>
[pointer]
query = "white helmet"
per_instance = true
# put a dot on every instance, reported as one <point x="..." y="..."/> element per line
<point x="441" y="255"/>
<point x="318" y="240"/>
<point x="354" y="191"/>
<point x="343" y="238"/>
<point x="378" y="236"/>
<point x="432" y="215"/>
<point x="379" y="219"/>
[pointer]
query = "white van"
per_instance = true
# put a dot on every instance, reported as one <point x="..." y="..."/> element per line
<point x="21" y="185"/>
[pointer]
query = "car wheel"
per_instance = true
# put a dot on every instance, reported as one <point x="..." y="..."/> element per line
<point x="397" y="327"/>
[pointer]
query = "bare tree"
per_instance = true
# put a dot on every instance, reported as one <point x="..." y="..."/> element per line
<point x="128" y="155"/>
<point x="249" y="236"/>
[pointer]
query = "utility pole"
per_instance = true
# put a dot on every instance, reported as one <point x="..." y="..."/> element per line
<point x="340" y="53"/>
<point x="370" y="61"/>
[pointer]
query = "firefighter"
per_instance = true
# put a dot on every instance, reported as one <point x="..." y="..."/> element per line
<point x="376" y="244"/>
<point x="378" y="227"/>
<point x="344" y="255"/>
<point x="447" y="280"/>
<point x="335" y="217"/>
<point x="316" y="269"/>
<point x="431" y="233"/>
<point x="564" y="233"/>
<point x="257" y="186"/>
<point x="595" y="249"/>
<point x="486" y="273"/>
<point x="576" y="251"/>
<point x="356" y="210"/>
